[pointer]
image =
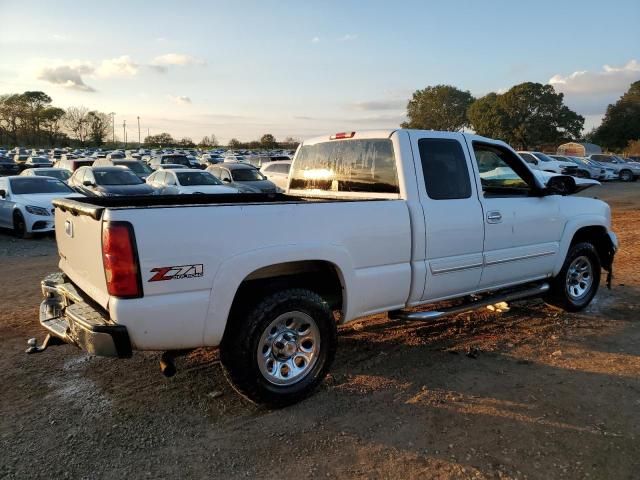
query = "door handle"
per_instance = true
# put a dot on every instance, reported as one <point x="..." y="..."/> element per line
<point x="494" y="217"/>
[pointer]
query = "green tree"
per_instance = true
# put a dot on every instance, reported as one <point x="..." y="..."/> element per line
<point x="268" y="141"/>
<point x="621" y="123"/>
<point x="186" y="142"/>
<point x="52" y="123"/>
<point x="234" y="143"/>
<point x="442" y="107"/>
<point x="99" y="125"/>
<point x="162" y="139"/>
<point x="35" y="103"/>
<point x="527" y="115"/>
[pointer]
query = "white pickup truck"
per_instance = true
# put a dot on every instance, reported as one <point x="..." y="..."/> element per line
<point x="371" y="222"/>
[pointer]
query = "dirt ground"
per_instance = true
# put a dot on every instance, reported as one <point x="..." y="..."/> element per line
<point x="531" y="393"/>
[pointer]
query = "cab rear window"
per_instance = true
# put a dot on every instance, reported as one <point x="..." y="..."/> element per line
<point x="364" y="166"/>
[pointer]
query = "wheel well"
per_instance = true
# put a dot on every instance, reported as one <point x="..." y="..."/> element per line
<point x="322" y="277"/>
<point x="597" y="235"/>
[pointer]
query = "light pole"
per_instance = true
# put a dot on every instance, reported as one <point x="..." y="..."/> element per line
<point x="124" y="132"/>
<point x="113" y="126"/>
<point x="138" y="132"/>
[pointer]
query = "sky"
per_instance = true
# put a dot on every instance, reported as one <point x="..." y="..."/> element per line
<point x="303" y="68"/>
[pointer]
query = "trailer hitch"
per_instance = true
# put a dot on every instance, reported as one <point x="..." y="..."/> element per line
<point x="48" y="340"/>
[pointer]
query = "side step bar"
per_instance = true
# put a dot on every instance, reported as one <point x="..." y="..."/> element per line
<point x="473" y="305"/>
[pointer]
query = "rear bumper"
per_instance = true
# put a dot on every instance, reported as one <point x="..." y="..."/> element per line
<point x="68" y="316"/>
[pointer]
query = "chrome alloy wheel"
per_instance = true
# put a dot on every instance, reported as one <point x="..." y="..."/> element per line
<point x="288" y="348"/>
<point x="579" y="278"/>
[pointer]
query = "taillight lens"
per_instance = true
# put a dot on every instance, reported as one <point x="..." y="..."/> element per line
<point x="341" y="135"/>
<point x="120" y="260"/>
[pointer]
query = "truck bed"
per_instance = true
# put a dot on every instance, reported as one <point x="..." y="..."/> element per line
<point x="95" y="206"/>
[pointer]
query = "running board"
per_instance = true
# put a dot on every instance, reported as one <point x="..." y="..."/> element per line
<point x="473" y="305"/>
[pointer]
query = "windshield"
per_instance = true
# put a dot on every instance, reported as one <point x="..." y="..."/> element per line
<point x="180" y="159"/>
<point x="59" y="174"/>
<point x="246" y="175"/>
<point x="116" y="177"/>
<point x="136" y="167"/>
<point x="542" y="157"/>
<point x="39" y="160"/>
<point x="26" y="185"/>
<point x="346" y="166"/>
<point x="197" y="178"/>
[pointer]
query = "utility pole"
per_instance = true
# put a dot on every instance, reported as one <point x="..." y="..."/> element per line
<point x="113" y="126"/>
<point x="138" y="132"/>
<point x="124" y="132"/>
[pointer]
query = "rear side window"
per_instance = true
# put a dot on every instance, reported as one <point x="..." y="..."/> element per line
<point x="446" y="176"/>
<point x="346" y="166"/>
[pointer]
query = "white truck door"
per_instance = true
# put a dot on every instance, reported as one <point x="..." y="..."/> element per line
<point x="453" y="214"/>
<point x="522" y="230"/>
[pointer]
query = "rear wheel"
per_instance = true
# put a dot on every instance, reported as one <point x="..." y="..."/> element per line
<point x="278" y="351"/>
<point x="577" y="282"/>
<point x="626" y="175"/>
<point x="20" y="226"/>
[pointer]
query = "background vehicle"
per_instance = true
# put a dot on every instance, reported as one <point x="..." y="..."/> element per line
<point x="156" y="161"/>
<point x="372" y="222"/>
<point x="59" y="173"/>
<point x="74" y="163"/>
<point x="186" y="181"/>
<point x="8" y="166"/>
<point x="242" y="176"/>
<point x="277" y="172"/>
<point x="582" y="172"/>
<point x="547" y="164"/>
<point x="108" y="182"/>
<point x="626" y="172"/>
<point x="25" y="203"/>
<point x="141" y="169"/>
<point x="37" y="162"/>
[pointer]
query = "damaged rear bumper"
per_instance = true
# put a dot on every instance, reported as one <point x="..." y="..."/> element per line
<point x="67" y="315"/>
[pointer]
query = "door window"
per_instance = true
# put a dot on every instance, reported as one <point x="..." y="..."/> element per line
<point x="502" y="174"/>
<point x="444" y="167"/>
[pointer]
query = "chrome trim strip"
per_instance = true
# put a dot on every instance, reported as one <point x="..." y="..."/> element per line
<point x="522" y="257"/>
<point x="438" y="271"/>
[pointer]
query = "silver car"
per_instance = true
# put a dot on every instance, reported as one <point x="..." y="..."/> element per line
<point x="627" y="172"/>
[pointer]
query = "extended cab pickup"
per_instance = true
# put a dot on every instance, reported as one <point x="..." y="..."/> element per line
<point x="371" y="222"/>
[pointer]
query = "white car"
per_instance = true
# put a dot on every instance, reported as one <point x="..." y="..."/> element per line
<point x="277" y="172"/>
<point x="60" y="173"/>
<point x="25" y="203"/>
<point x="186" y="181"/>
<point x="540" y="161"/>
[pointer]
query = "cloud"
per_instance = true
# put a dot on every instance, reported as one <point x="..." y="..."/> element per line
<point x="374" y="105"/>
<point x="121" y="66"/>
<point x="302" y="117"/>
<point x="158" y="68"/>
<point x="180" y="99"/>
<point x="606" y="81"/>
<point x="348" y="37"/>
<point x="176" y="59"/>
<point x="315" y="40"/>
<point x="67" y="76"/>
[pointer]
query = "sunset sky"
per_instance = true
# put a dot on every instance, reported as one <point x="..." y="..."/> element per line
<point x="292" y="68"/>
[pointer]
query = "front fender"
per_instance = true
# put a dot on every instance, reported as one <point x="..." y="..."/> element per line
<point x="234" y="270"/>
<point x="570" y="230"/>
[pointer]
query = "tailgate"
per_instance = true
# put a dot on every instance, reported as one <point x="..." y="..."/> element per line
<point x="79" y="239"/>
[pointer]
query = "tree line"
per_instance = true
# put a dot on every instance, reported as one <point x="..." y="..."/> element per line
<point x="267" y="142"/>
<point x="29" y="118"/>
<point x="528" y="115"/>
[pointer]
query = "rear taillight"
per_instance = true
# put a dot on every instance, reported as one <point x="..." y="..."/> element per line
<point x="120" y="259"/>
<point x="342" y="135"/>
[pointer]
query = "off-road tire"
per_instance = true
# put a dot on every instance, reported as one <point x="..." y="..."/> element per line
<point x="560" y="295"/>
<point x="239" y="348"/>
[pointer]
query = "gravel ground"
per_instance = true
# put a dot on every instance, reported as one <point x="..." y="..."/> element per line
<point x="529" y="393"/>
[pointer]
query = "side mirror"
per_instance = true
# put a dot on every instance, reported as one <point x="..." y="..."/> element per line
<point x="561" y="185"/>
<point x="87" y="183"/>
<point x="3" y="193"/>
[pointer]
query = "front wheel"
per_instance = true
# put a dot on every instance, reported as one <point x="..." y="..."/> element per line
<point x="577" y="282"/>
<point x="277" y="352"/>
<point x="626" y="175"/>
<point x="20" y="226"/>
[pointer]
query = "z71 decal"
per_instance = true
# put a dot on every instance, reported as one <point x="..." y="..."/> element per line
<point x="177" y="272"/>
